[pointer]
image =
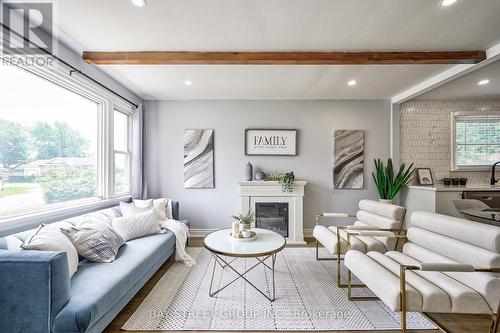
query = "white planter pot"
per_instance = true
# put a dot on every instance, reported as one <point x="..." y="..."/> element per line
<point x="387" y="201"/>
<point x="245" y="226"/>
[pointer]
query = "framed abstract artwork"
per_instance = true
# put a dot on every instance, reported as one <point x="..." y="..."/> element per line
<point x="348" y="168"/>
<point x="199" y="158"/>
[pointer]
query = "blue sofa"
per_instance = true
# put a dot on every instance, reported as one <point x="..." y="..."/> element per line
<point x="37" y="295"/>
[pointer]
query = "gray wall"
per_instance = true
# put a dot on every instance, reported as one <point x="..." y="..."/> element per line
<point x="315" y="120"/>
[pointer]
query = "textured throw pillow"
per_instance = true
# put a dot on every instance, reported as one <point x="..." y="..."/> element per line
<point x="139" y="225"/>
<point x="164" y="208"/>
<point x="50" y="238"/>
<point x="129" y="209"/>
<point x="148" y="203"/>
<point x="96" y="242"/>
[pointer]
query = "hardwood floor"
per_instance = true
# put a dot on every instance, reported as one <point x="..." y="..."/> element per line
<point x="451" y="323"/>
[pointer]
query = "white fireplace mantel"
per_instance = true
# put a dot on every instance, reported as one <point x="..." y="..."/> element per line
<point x="271" y="191"/>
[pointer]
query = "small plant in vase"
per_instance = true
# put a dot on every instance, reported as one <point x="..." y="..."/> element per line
<point x="286" y="182"/>
<point x="245" y="220"/>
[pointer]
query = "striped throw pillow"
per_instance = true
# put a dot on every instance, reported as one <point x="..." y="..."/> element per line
<point x="95" y="242"/>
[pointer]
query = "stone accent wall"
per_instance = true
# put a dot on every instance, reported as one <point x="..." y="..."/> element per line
<point x="425" y="140"/>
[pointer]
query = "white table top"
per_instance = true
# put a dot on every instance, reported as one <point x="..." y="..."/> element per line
<point x="267" y="242"/>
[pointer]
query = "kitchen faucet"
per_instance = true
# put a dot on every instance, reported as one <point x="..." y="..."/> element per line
<point x="493" y="181"/>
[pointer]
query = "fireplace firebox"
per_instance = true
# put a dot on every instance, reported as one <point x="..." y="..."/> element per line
<point x="272" y="216"/>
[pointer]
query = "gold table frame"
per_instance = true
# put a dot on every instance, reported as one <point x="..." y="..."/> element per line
<point x="260" y="257"/>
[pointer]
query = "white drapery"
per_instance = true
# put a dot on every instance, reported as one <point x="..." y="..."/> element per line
<point x="138" y="173"/>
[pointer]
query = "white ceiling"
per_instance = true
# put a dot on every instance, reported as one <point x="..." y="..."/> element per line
<point x="271" y="82"/>
<point x="467" y="87"/>
<point x="281" y="25"/>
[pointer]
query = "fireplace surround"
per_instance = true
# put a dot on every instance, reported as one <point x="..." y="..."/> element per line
<point x="275" y="210"/>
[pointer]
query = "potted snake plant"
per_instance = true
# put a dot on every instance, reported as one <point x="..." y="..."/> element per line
<point x="389" y="185"/>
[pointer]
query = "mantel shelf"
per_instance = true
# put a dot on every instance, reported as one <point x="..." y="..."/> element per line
<point x="270" y="183"/>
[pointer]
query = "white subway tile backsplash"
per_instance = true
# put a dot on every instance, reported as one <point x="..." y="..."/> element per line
<point x="425" y="135"/>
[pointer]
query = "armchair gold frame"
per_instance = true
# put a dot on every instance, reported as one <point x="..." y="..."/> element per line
<point x="402" y="287"/>
<point x="339" y="257"/>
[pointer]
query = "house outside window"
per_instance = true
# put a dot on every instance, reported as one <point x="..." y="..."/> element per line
<point x="53" y="141"/>
<point x="475" y="140"/>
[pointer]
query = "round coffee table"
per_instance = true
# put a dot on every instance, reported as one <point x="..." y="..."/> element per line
<point x="226" y="250"/>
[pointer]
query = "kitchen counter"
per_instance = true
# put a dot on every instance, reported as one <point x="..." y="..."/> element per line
<point x="442" y="188"/>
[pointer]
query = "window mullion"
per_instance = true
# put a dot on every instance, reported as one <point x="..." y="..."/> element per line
<point x="111" y="155"/>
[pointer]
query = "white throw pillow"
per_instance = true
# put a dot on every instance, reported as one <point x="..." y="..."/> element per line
<point x="164" y="208"/>
<point x="139" y="225"/>
<point x="50" y="238"/>
<point x="143" y="203"/>
<point x="129" y="209"/>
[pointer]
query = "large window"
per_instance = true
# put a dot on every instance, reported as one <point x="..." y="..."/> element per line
<point x="476" y="140"/>
<point x="52" y="145"/>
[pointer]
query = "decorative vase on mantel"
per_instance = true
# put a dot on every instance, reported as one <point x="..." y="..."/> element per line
<point x="249" y="171"/>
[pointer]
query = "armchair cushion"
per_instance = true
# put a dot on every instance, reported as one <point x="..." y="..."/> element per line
<point x="426" y="291"/>
<point x="447" y="257"/>
<point x="454" y="249"/>
<point x="328" y="239"/>
<point x="478" y="234"/>
<point x="390" y="211"/>
<point x="372" y="215"/>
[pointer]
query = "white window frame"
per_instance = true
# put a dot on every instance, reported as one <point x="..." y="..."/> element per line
<point x="453" y="145"/>
<point x="107" y="104"/>
<point x="127" y="153"/>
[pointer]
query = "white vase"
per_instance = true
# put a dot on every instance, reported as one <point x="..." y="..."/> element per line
<point x="235" y="229"/>
<point x="387" y="201"/>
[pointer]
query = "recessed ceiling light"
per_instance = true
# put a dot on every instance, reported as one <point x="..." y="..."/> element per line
<point x="188" y="83"/>
<point x="446" y="3"/>
<point x="483" y="82"/>
<point x="139" y="3"/>
<point x="352" y="83"/>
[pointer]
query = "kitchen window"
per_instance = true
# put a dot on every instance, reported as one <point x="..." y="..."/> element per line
<point x="475" y="140"/>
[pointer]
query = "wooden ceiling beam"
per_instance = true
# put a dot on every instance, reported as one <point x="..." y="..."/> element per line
<point x="282" y="58"/>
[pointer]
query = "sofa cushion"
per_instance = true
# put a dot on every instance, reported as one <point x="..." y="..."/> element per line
<point x="139" y="225"/>
<point x="130" y="209"/>
<point x="96" y="242"/>
<point x="97" y="287"/>
<point x="50" y="238"/>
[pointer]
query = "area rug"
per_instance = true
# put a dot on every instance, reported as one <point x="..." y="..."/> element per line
<point x="307" y="299"/>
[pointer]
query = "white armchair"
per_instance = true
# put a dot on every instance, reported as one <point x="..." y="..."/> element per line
<point x="387" y="219"/>
<point x="448" y="265"/>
